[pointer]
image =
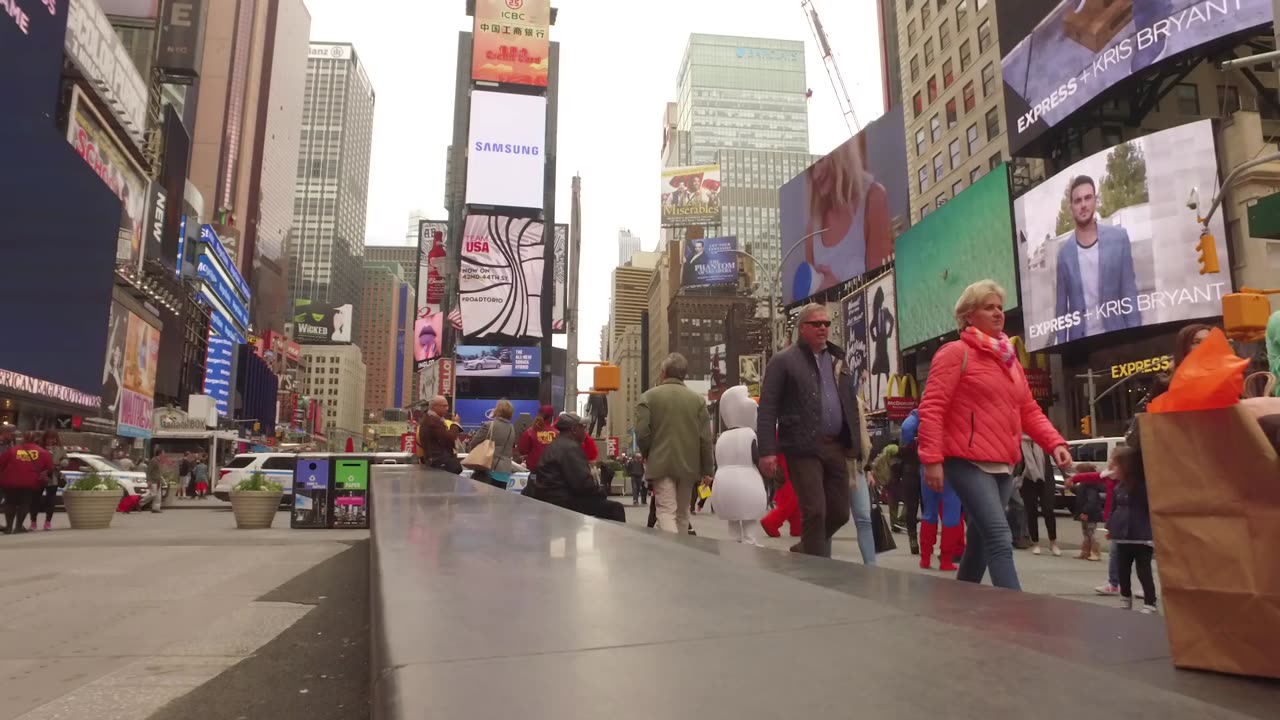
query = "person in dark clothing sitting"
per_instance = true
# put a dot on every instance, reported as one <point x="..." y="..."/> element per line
<point x="564" y="476"/>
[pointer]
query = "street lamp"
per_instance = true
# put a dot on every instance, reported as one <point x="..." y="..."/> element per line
<point x="775" y="286"/>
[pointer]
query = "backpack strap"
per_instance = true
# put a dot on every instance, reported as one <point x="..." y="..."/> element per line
<point x="964" y="364"/>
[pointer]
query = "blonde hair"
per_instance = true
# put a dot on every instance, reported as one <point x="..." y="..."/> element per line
<point x="504" y="409"/>
<point x="848" y="181"/>
<point x="973" y="296"/>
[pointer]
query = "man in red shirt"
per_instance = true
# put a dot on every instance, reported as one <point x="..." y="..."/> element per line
<point x="24" y="469"/>
<point x="537" y="438"/>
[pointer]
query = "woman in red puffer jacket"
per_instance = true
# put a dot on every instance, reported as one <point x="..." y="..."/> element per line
<point x="24" y="470"/>
<point x="976" y="406"/>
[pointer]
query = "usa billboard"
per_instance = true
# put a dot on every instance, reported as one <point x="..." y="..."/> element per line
<point x="500" y="280"/>
<point x="1057" y="55"/>
<point x="691" y="195"/>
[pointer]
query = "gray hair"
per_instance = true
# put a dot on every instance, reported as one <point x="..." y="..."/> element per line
<point x="973" y="296"/>
<point x="809" y="311"/>
<point x="675" y="366"/>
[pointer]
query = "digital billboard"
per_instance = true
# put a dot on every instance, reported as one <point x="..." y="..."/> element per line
<point x="474" y="412"/>
<point x="428" y="333"/>
<point x="88" y="133"/>
<point x="880" y="361"/>
<point x="854" y="313"/>
<point x="839" y="217"/>
<point x="967" y="240"/>
<point x="141" y="352"/>
<point x="511" y="43"/>
<point x="500" y="279"/>
<point x="1056" y="56"/>
<point x="498" y="361"/>
<point x="710" y="261"/>
<point x="505" y="158"/>
<point x="28" y="98"/>
<point x="317" y="322"/>
<point x="1109" y="243"/>
<point x="428" y="325"/>
<point x="690" y="195"/>
<point x="559" y="282"/>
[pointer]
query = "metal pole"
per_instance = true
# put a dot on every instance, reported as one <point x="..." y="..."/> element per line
<point x="1093" y="403"/>
<point x="575" y="247"/>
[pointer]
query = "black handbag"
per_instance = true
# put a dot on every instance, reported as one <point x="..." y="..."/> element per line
<point x="880" y="528"/>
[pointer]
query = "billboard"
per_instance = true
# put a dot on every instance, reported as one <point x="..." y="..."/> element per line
<point x="751" y="373"/>
<point x="710" y="261"/>
<point x="505" y="158"/>
<point x="96" y="49"/>
<point x="1057" y="56"/>
<point x="207" y="270"/>
<point x="967" y="240"/>
<point x="28" y="98"/>
<point x="511" y="43"/>
<point x="113" y="368"/>
<point x="474" y="412"/>
<point x="498" y="361"/>
<point x="141" y="352"/>
<point x="559" y="282"/>
<point x="1109" y="244"/>
<point x="428" y="333"/>
<point x="500" y="280"/>
<point x="428" y="325"/>
<point x="89" y="135"/>
<point x="691" y="195"/>
<point x="317" y="322"/>
<point x="854" y="313"/>
<point x="882" y="341"/>
<point x="181" y="30"/>
<point x="838" y="219"/>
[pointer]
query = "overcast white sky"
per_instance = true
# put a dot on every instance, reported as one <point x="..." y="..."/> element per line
<point x="618" y="68"/>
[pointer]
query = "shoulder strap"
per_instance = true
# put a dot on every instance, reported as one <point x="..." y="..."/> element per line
<point x="964" y="364"/>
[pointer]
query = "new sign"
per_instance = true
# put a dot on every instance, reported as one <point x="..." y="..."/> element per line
<point x="95" y="48"/>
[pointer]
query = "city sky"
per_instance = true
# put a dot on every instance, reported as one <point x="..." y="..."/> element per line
<point x="618" y="70"/>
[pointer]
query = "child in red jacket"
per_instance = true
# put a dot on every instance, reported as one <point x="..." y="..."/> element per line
<point x="1090" y="507"/>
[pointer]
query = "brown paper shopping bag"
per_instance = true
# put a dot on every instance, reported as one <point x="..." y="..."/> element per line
<point x="1214" y="487"/>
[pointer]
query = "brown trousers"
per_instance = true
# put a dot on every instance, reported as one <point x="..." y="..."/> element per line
<point x="821" y="483"/>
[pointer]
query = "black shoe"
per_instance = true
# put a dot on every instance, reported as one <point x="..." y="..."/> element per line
<point x="897" y="529"/>
<point x="19" y="530"/>
<point x="915" y="545"/>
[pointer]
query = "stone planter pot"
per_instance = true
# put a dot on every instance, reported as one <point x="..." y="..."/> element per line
<point x="90" y="509"/>
<point x="255" y="509"/>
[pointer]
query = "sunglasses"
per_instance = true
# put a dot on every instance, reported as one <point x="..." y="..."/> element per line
<point x="818" y="323"/>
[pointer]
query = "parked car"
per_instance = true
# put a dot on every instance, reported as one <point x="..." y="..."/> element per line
<point x="1094" y="450"/>
<point x="276" y="466"/>
<point x="131" y="482"/>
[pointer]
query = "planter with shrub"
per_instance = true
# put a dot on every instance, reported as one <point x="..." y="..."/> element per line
<point x="91" y="501"/>
<point x="255" y="501"/>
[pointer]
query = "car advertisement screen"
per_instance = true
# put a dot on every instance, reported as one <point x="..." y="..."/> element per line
<point x="505" y="160"/>
<point x="690" y="195"/>
<point x="498" y="361"/>
<point x="967" y="240"/>
<point x="839" y="217"/>
<point x="511" y="42"/>
<point x="1109" y="243"/>
<point x="317" y="322"/>
<point x="474" y="412"/>
<point x="1057" y="56"/>
<point x="710" y="261"/>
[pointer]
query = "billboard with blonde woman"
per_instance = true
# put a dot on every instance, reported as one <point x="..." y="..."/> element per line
<point x="840" y="216"/>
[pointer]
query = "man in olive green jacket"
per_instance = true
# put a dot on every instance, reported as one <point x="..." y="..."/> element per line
<point x="673" y="431"/>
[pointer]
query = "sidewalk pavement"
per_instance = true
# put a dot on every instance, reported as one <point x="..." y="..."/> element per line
<point x="113" y="624"/>
<point x="1064" y="577"/>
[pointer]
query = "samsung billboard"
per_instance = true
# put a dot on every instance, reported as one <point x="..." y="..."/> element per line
<point x="506" y="161"/>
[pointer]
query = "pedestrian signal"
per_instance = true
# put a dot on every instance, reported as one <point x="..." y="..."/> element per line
<point x="1208" y="248"/>
<point x="607" y="378"/>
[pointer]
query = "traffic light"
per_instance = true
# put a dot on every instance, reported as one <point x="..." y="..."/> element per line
<point x="1086" y="427"/>
<point x="607" y="378"/>
<point x="257" y="427"/>
<point x="1208" y="248"/>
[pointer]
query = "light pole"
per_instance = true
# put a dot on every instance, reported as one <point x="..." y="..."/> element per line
<point x="775" y="287"/>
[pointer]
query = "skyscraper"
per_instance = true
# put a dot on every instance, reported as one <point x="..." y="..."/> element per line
<point x="628" y="245"/>
<point x="327" y="252"/>
<point x="386" y="314"/>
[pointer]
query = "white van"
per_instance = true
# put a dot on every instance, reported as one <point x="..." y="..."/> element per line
<point x="278" y="467"/>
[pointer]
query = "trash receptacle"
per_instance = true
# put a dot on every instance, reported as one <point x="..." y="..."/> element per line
<point x="312" y="485"/>
<point x="351" y="494"/>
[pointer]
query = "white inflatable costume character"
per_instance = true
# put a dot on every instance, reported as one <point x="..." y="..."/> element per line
<point x="738" y="494"/>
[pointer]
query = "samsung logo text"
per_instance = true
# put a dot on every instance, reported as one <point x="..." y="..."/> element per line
<point x="508" y="148"/>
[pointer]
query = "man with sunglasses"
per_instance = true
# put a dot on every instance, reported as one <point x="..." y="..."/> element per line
<point x="809" y="413"/>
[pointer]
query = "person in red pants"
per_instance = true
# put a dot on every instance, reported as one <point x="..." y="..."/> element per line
<point x="786" y="507"/>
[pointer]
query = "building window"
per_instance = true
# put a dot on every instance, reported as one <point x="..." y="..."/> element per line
<point x="935" y="128"/>
<point x="911" y="32"/>
<point x="962" y="15"/>
<point x="948" y="74"/>
<point x="1188" y="98"/>
<point x="972" y="136"/>
<point x="994" y="162"/>
<point x="984" y="36"/>
<point x="928" y="52"/>
<point x="954" y="149"/>
<point x="988" y="79"/>
<point x="924" y="211"/>
<point x="944" y="35"/>
<point x="974" y="174"/>
<point x="919" y="141"/>
<point x="933" y="89"/>
<point x="910" y="3"/>
<point x="917" y="103"/>
<point x="915" y="68"/>
<point x="1228" y="99"/>
<point x="970" y="100"/>
<point x="966" y="55"/>
<point x="926" y="12"/>
<point x="922" y="175"/>
<point x="940" y="200"/>
<point x="952" y="117"/>
<point x="981" y="4"/>
<point x="993" y="123"/>
<point x="956" y="187"/>
<point x="938" y="168"/>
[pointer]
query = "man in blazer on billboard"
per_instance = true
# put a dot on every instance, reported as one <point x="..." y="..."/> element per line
<point x="1095" y="267"/>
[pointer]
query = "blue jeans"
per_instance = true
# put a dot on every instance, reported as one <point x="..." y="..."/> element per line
<point x="989" y="543"/>
<point x="860" y="506"/>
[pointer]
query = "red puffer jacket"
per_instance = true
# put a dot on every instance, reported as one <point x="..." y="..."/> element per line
<point x="976" y="409"/>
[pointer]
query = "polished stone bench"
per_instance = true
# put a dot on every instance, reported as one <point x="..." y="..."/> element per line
<point x="490" y="605"/>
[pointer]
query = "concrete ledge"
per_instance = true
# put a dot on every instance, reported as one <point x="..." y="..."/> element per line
<point x="486" y="604"/>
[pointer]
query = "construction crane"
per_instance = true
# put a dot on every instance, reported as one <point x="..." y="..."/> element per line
<point x="833" y="68"/>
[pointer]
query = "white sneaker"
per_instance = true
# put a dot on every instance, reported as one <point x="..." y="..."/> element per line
<point x="1149" y="610"/>
<point x="1035" y="549"/>
<point x="1126" y="603"/>
<point x="1057" y="551"/>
